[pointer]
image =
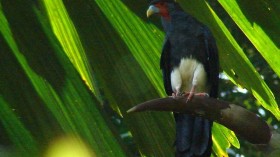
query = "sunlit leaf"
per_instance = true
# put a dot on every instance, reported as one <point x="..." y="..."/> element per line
<point x="240" y="70"/>
<point x="142" y="39"/>
<point x="260" y="22"/>
<point x="263" y="31"/>
<point x="69" y="39"/>
<point x="220" y="142"/>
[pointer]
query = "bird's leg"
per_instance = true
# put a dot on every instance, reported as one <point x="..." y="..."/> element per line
<point x="191" y="93"/>
<point x="198" y="79"/>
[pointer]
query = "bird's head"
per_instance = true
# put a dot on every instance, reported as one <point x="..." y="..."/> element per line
<point x="162" y="8"/>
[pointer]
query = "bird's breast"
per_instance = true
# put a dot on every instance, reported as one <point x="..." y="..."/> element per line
<point x="189" y="72"/>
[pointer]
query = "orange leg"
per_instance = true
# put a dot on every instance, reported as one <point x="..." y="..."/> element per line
<point x="192" y="93"/>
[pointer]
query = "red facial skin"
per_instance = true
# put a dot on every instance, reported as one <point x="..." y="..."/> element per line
<point x="163" y="10"/>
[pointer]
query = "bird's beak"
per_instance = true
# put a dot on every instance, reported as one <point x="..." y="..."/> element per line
<point x="152" y="10"/>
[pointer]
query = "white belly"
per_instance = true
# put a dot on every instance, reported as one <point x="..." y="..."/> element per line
<point x="189" y="73"/>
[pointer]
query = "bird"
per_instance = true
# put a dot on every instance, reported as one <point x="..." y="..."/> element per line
<point x="190" y="66"/>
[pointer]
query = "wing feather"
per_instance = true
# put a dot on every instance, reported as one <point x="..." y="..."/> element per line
<point x="212" y="67"/>
<point x="166" y="67"/>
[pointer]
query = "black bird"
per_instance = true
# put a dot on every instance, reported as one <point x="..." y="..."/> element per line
<point x="190" y="65"/>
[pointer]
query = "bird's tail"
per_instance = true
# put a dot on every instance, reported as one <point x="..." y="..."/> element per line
<point x="193" y="136"/>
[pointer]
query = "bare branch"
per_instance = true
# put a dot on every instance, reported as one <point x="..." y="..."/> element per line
<point x="243" y="122"/>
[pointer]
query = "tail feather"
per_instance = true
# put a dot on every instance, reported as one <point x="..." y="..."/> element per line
<point x="183" y="133"/>
<point x="193" y="136"/>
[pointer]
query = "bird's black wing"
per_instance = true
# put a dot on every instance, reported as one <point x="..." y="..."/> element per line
<point x="166" y="67"/>
<point x="212" y="62"/>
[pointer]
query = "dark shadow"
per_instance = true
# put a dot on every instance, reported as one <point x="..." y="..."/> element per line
<point x="33" y="42"/>
<point x="15" y="86"/>
<point x="17" y="90"/>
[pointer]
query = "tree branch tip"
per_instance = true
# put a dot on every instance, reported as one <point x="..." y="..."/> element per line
<point x="131" y="110"/>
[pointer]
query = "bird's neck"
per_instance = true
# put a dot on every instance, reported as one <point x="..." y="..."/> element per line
<point x="166" y="23"/>
<point x="177" y="18"/>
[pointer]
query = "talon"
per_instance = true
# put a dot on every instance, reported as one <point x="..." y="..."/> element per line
<point x="190" y="96"/>
<point x="202" y="94"/>
<point x="173" y="95"/>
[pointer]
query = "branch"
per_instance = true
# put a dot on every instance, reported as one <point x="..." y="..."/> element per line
<point x="243" y="122"/>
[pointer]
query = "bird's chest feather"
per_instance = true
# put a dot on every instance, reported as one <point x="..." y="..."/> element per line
<point x="189" y="72"/>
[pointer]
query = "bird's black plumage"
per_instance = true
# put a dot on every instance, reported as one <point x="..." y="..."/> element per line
<point x="187" y="38"/>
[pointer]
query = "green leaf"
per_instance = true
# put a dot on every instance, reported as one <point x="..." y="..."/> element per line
<point x="68" y="37"/>
<point x="18" y="134"/>
<point x="143" y="40"/>
<point x="260" y="22"/>
<point x="55" y="79"/>
<point x="240" y="69"/>
<point x="57" y="57"/>
<point x="220" y="142"/>
<point x="115" y="40"/>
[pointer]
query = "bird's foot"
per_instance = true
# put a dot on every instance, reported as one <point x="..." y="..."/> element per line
<point x="202" y="94"/>
<point x="176" y="94"/>
<point x="190" y="95"/>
